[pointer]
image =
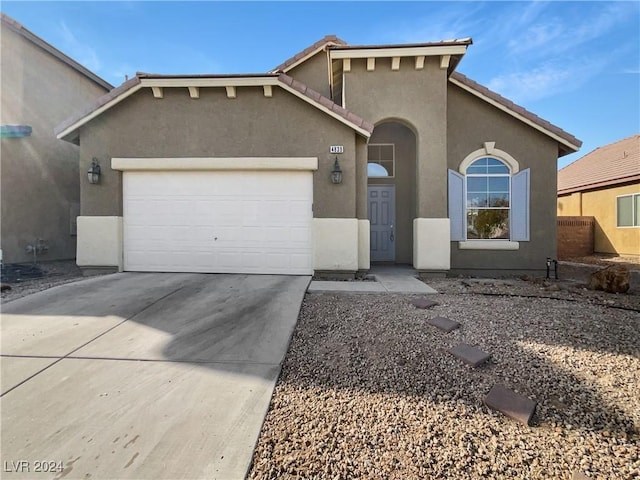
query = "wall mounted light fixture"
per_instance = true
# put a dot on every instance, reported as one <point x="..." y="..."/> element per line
<point x="94" y="171"/>
<point x="336" y="173"/>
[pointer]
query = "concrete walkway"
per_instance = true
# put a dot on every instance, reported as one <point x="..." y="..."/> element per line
<point x="388" y="279"/>
<point x="145" y="376"/>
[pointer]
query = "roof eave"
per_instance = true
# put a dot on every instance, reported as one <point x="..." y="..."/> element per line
<point x="570" y="143"/>
<point x="69" y="129"/>
<point x="597" y="185"/>
<point x="18" y="28"/>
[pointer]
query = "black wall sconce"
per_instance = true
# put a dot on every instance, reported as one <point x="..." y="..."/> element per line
<point x="94" y="172"/>
<point x="336" y="173"/>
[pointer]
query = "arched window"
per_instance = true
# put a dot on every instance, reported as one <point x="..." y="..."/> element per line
<point x="489" y="200"/>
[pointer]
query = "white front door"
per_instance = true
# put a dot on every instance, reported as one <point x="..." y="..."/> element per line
<point x="218" y="221"/>
<point x="382" y="213"/>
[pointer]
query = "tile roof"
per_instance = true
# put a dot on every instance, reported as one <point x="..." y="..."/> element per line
<point x="325" y="102"/>
<point x="517" y="109"/>
<point x="13" y="25"/>
<point x="327" y="40"/>
<point x="442" y="43"/>
<point x="97" y="104"/>
<point x="71" y="125"/>
<point x="612" y="164"/>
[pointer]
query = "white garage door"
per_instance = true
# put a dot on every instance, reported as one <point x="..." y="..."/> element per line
<point x="218" y="222"/>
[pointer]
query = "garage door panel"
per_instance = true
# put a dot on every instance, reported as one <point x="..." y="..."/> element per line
<point x="218" y="222"/>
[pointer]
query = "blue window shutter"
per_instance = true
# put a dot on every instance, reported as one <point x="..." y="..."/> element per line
<point x="456" y="206"/>
<point x="520" y="206"/>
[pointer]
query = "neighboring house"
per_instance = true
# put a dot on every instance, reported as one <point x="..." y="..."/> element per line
<point x="605" y="184"/>
<point x="40" y="191"/>
<point x="235" y="173"/>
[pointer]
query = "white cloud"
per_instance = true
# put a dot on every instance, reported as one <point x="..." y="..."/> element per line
<point x="79" y="51"/>
<point x="555" y="34"/>
<point x="546" y="80"/>
<point x="455" y="21"/>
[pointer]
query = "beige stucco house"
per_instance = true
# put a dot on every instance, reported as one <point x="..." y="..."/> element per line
<point x="605" y="185"/>
<point x="339" y="157"/>
<point x="40" y="191"/>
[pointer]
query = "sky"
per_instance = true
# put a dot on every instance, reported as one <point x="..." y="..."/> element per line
<point x="575" y="64"/>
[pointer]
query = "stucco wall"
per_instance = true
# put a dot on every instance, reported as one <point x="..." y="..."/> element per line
<point x="419" y="99"/>
<point x="570" y="205"/>
<point x="250" y="125"/>
<point x="405" y="181"/>
<point x="601" y="204"/>
<point x="39" y="174"/>
<point x="314" y="73"/>
<point x="471" y="122"/>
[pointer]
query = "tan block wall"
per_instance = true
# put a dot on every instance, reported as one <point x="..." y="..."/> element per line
<point x="601" y="204"/>
<point x="575" y="236"/>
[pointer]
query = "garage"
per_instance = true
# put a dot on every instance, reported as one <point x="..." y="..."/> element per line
<point x="218" y="221"/>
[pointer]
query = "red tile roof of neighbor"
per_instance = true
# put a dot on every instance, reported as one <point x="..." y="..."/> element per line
<point x="612" y="164"/>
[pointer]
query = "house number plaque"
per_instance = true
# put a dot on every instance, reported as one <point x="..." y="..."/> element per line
<point x="336" y="149"/>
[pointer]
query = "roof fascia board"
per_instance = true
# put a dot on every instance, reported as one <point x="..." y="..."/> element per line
<point x="210" y="82"/>
<point x="205" y="82"/>
<point x="341" y="119"/>
<point x="398" y="51"/>
<point x="305" y="58"/>
<point x="71" y="128"/>
<point x="505" y="109"/>
<point x="598" y="185"/>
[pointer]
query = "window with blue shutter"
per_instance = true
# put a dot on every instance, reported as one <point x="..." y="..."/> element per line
<point x="456" y="206"/>
<point x="520" y="206"/>
<point x="487" y="202"/>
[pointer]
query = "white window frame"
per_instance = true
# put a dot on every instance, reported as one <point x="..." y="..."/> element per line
<point x="393" y="159"/>
<point x="633" y="208"/>
<point x="485" y="175"/>
<point x="512" y="164"/>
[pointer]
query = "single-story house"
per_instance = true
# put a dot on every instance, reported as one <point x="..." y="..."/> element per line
<point x="39" y="190"/>
<point x="605" y="185"/>
<point x="341" y="156"/>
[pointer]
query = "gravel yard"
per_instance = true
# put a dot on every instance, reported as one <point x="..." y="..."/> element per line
<point x="367" y="389"/>
<point x="55" y="273"/>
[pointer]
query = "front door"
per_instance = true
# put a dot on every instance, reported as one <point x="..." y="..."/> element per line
<point x="382" y="216"/>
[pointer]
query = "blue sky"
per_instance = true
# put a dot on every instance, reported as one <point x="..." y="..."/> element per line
<point x="576" y="64"/>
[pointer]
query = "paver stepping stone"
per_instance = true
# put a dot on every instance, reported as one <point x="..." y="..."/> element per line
<point x="577" y="475"/>
<point x="424" y="303"/>
<point x="510" y="403"/>
<point x="470" y="354"/>
<point x="443" y="323"/>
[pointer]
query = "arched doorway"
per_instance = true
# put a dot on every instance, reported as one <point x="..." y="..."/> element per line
<point x="391" y="192"/>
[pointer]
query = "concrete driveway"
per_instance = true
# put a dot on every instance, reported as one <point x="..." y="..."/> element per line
<point x="146" y="376"/>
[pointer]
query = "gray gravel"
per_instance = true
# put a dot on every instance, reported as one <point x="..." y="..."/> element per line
<point x="56" y="273"/>
<point x="367" y="389"/>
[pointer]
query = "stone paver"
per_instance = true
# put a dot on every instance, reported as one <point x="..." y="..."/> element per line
<point x="510" y="403"/>
<point x="443" y="323"/>
<point x="470" y="354"/>
<point x="423" y="303"/>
